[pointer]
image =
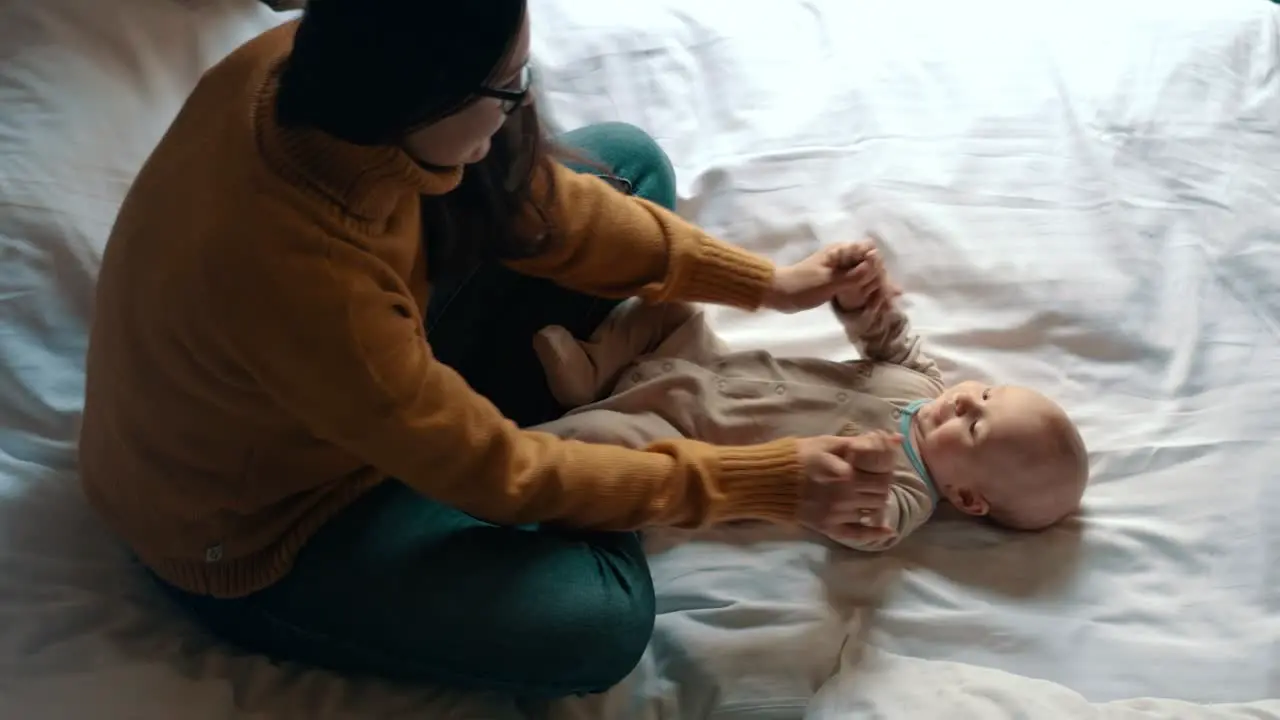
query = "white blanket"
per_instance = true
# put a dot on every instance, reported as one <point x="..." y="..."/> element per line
<point x="1086" y="199"/>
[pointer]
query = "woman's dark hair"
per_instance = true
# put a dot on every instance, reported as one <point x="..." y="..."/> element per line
<point x="370" y="71"/>
<point x="477" y="221"/>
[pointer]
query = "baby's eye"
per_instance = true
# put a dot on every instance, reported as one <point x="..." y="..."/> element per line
<point x="986" y="394"/>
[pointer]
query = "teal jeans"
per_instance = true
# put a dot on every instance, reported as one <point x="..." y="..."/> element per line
<point x="401" y="587"/>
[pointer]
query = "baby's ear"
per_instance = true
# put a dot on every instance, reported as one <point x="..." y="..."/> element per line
<point x="970" y="503"/>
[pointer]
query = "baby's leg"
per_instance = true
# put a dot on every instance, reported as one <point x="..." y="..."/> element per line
<point x="572" y="377"/>
<point x="581" y="372"/>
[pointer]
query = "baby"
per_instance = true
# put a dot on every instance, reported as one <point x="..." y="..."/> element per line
<point x="651" y="372"/>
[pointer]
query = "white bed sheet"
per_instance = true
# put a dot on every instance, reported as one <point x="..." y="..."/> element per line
<point x="1087" y="200"/>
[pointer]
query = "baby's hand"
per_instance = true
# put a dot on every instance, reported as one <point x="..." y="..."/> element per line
<point x="871" y="289"/>
<point x="875" y="452"/>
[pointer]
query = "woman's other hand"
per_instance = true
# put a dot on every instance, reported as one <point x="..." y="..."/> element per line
<point x="847" y="482"/>
<point x="816" y="280"/>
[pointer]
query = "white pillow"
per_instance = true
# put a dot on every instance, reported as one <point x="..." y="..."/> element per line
<point x="87" y="88"/>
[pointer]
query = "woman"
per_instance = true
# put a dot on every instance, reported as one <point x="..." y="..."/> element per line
<point x="261" y="362"/>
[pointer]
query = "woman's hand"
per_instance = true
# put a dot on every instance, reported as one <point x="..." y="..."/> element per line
<point x="869" y="288"/>
<point x="816" y="279"/>
<point x="847" y="484"/>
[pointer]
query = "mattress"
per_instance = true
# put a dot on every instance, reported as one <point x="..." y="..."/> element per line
<point x="1083" y="199"/>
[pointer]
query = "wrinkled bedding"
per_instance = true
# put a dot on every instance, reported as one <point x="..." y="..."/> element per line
<point x="1086" y="199"/>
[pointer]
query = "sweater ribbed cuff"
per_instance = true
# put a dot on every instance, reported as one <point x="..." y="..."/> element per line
<point x="728" y="275"/>
<point x="761" y="482"/>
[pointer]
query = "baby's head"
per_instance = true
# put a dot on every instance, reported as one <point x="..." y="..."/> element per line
<point x="1003" y="451"/>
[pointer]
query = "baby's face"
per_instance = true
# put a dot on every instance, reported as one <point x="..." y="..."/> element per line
<point x="976" y="436"/>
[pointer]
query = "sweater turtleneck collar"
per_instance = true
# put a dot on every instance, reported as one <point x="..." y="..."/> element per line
<point x="367" y="181"/>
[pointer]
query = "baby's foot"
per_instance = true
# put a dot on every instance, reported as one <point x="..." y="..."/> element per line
<point x="570" y="373"/>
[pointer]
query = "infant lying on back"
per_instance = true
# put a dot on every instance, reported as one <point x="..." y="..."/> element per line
<point x="652" y="372"/>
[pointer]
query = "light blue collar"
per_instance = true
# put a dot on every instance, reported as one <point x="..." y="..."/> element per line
<point x="908" y="445"/>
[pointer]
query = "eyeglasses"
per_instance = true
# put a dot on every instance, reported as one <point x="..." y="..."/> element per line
<point x="514" y="96"/>
<point x="620" y="184"/>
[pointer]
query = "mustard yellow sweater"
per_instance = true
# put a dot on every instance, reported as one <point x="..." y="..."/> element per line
<point x="258" y="358"/>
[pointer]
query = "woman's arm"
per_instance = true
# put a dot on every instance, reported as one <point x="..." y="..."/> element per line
<point x="614" y="245"/>
<point x="344" y="351"/>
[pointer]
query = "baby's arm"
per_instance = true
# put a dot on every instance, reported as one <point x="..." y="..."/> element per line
<point x="884" y="335"/>
<point x="872" y="320"/>
<point x="581" y="372"/>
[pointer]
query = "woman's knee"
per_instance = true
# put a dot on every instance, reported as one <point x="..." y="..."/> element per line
<point x="608" y="656"/>
<point x="622" y="653"/>
<point x="633" y="154"/>
<point x="649" y="168"/>
<point x="596" y="637"/>
<point x="401" y="587"/>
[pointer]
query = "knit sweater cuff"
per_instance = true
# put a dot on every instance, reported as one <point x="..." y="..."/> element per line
<point x="725" y="274"/>
<point x="761" y="482"/>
